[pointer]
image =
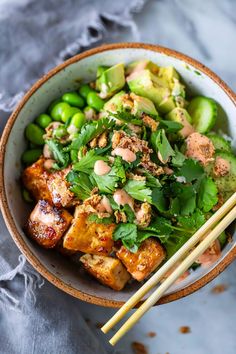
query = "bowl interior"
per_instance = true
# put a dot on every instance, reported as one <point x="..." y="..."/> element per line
<point x="69" y="271"/>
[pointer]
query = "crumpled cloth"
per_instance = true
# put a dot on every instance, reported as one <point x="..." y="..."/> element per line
<point x="36" y="317"/>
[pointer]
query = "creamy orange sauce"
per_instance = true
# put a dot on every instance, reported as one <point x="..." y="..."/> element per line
<point x="48" y="164"/>
<point x="200" y="147"/>
<point x="211" y="255"/>
<point x="101" y="168"/>
<point x="122" y="198"/>
<point x="126" y="154"/>
<point x="104" y="205"/>
<point x="47" y="152"/>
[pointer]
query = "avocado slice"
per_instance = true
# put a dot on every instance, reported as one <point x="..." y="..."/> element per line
<point x="181" y="115"/>
<point x="142" y="105"/>
<point x="168" y="73"/>
<point x="140" y="65"/>
<point x="146" y="84"/>
<point x="111" y="80"/>
<point x="115" y="103"/>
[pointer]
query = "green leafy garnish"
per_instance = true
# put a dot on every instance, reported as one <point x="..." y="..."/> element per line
<point x="161" y="144"/>
<point x="178" y="159"/>
<point x="119" y="169"/>
<point x="193" y="222"/>
<point x="61" y="157"/>
<point x="90" y="131"/>
<point x="183" y="201"/>
<point x="129" y="213"/>
<point x="151" y="181"/>
<point x="138" y="190"/>
<point x="159" y="200"/>
<point x="127" y="233"/>
<point x="106" y="183"/>
<point x="170" y="126"/>
<point x="95" y="218"/>
<point x="86" y="163"/>
<point x="207" y="194"/>
<point x="191" y="170"/>
<point x="127" y="117"/>
<point x="80" y="184"/>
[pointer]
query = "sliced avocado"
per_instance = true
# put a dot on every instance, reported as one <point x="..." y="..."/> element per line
<point x="178" y="89"/>
<point x="168" y="73"/>
<point x="111" y="80"/>
<point x="101" y="69"/>
<point x="142" y="65"/>
<point x="181" y="115"/>
<point x="167" y="104"/>
<point x="227" y="183"/>
<point x="115" y="103"/>
<point x="146" y="84"/>
<point x="219" y="142"/>
<point x="142" y="105"/>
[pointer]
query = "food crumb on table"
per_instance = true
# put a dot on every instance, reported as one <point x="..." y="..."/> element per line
<point x="184" y="329"/>
<point x="218" y="289"/>
<point x="151" y="334"/>
<point x="139" y="348"/>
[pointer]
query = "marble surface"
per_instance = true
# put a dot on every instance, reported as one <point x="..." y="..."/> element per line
<point x="206" y="31"/>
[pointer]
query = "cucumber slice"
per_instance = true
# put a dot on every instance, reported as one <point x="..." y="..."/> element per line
<point x="203" y="111"/>
<point x="219" y="142"/>
<point x="227" y="183"/>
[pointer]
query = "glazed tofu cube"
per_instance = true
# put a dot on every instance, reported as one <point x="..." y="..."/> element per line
<point x="144" y="261"/>
<point x="47" y="224"/>
<point x="89" y="237"/>
<point x="35" y="181"/>
<point x="107" y="270"/>
<point x="59" y="189"/>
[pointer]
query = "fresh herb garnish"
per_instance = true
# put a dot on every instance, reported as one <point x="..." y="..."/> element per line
<point x="86" y="163"/>
<point x="138" y="190"/>
<point x="95" y="218"/>
<point x="61" y="157"/>
<point x="161" y="144"/>
<point x="191" y="170"/>
<point x="80" y="184"/>
<point x="207" y="194"/>
<point x="106" y="183"/>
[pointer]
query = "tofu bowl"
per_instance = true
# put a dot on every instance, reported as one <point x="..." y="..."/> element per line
<point x="63" y="266"/>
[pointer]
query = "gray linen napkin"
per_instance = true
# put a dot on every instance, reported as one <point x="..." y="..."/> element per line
<point x="35" y="36"/>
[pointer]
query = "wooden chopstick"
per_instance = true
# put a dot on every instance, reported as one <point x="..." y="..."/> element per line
<point x="153" y="281"/>
<point x="187" y="262"/>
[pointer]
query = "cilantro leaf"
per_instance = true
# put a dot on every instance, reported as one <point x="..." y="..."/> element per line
<point x="86" y="163"/>
<point x="183" y="199"/>
<point x="159" y="200"/>
<point x="138" y="190"/>
<point x="108" y="182"/>
<point x="178" y="159"/>
<point x="80" y="183"/>
<point x="127" y="117"/>
<point x="62" y="158"/>
<point x="170" y="126"/>
<point x="161" y="226"/>
<point x="127" y="233"/>
<point x="207" y="194"/>
<point x="193" y="222"/>
<point x="119" y="169"/>
<point x="129" y="213"/>
<point x="91" y="130"/>
<point x="161" y="144"/>
<point x="95" y="218"/>
<point x="191" y="170"/>
<point x="151" y="181"/>
<point x="175" y="242"/>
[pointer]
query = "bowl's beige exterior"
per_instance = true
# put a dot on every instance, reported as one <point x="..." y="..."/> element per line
<point x="10" y="218"/>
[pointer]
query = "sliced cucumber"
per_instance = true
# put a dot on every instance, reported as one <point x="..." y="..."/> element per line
<point x="203" y="111"/>
<point x="219" y="142"/>
<point x="227" y="183"/>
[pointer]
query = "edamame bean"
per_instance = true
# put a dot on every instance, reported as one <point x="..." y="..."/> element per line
<point x="84" y="90"/>
<point x="73" y="99"/>
<point x="61" y="111"/>
<point x="34" y="134"/>
<point x="53" y="104"/>
<point x="90" y="113"/>
<point x="94" y="101"/>
<point x="78" y="120"/>
<point x="43" y="120"/>
<point x="26" y="196"/>
<point x="59" y="132"/>
<point x="30" y="156"/>
<point x="75" y="110"/>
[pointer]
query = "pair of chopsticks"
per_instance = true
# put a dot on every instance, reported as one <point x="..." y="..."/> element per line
<point x="187" y="255"/>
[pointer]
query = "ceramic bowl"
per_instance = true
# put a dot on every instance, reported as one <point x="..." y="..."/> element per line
<point x="67" y="274"/>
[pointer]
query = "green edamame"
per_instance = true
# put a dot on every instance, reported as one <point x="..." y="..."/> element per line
<point x="30" y="156"/>
<point x="26" y="196"/>
<point x="34" y="134"/>
<point x="84" y="90"/>
<point x="74" y="110"/>
<point x="52" y="105"/>
<point x="78" y="120"/>
<point x="94" y="101"/>
<point x="61" y="112"/>
<point x="43" y="120"/>
<point x="73" y="99"/>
